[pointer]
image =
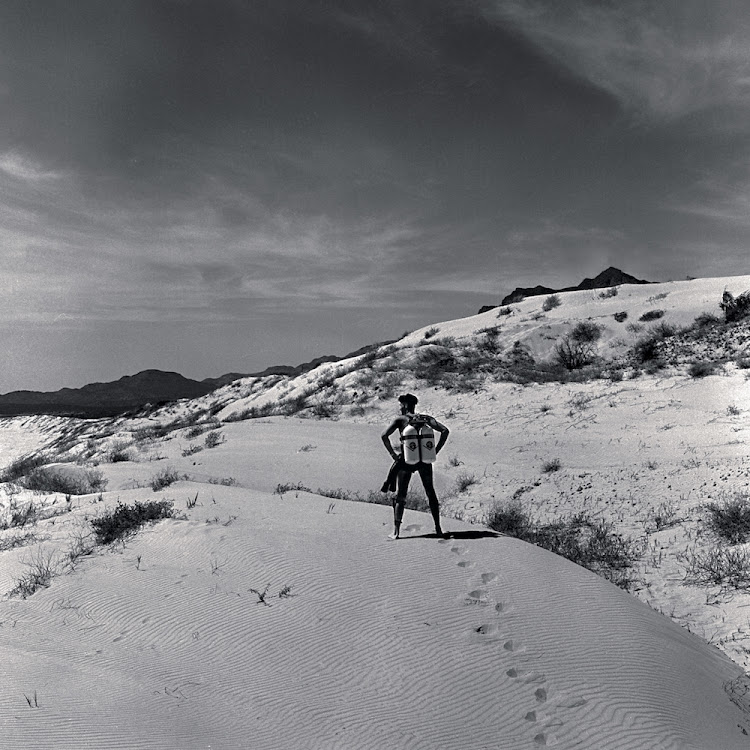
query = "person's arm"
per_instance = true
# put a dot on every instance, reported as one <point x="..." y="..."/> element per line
<point x="443" y="430"/>
<point x="386" y="438"/>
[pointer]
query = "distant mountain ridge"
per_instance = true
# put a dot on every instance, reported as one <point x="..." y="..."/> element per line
<point x="106" y="399"/>
<point x="135" y="391"/>
<point x="609" y="277"/>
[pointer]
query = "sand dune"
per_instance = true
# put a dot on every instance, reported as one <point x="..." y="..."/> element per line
<point x="267" y="619"/>
<point x="478" y="641"/>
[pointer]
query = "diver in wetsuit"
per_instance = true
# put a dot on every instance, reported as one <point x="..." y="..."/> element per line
<point x="404" y="470"/>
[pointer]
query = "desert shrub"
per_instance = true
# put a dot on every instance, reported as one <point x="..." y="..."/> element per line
<point x="730" y="519"/>
<point x="47" y="479"/>
<point x="196" y="431"/>
<point x="150" y="432"/>
<point x="551" y="466"/>
<point x="510" y="519"/>
<point x="388" y="385"/>
<point x="647" y="349"/>
<point x="282" y="489"/>
<point x="706" y="320"/>
<point x="743" y="363"/>
<point x="325" y="409"/>
<point x="609" y="293"/>
<point x="578" y="348"/>
<point x="727" y="567"/>
<point x="620" y="317"/>
<point x="118" y="452"/>
<point x="551" y="303"/>
<point x="651" y="315"/>
<point x="490" y="343"/>
<point x="125" y="520"/>
<point x="663" y="330"/>
<point x="214" y="438"/>
<point x="433" y="362"/>
<point x="504" y="310"/>
<point x="590" y="543"/>
<point x="701" y="369"/>
<point x="465" y="480"/>
<point x="41" y="569"/>
<point x="735" y="308"/>
<point x="191" y="450"/>
<point x="23" y="466"/>
<point x="163" y="479"/>
<point x="430" y="332"/>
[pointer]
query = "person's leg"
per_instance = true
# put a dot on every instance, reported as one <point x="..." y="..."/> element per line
<point x="425" y="474"/>
<point x="399" y="502"/>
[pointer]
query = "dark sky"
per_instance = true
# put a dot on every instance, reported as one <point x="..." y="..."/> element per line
<point x="224" y="185"/>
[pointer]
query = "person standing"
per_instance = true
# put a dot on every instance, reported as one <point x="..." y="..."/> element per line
<point x="405" y="470"/>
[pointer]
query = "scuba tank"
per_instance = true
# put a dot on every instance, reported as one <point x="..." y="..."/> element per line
<point x="418" y="440"/>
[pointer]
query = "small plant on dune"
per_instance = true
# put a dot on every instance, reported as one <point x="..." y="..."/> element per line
<point x="465" y="480"/>
<point x="224" y="481"/>
<point x="733" y="411"/>
<point x="191" y="450"/>
<point x="431" y="332"/>
<point x="282" y="489"/>
<point x="504" y="310"/>
<point x="164" y="478"/>
<point x="726" y="567"/>
<point x="118" y="452"/>
<point x="214" y="438"/>
<point x="17" y="540"/>
<point x="42" y="567"/>
<point x="551" y="303"/>
<point x="510" y="519"/>
<point x="620" y="317"/>
<point x="20" y="517"/>
<point x="588" y="542"/>
<point x="701" y="369"/>
<point x="47" y="479"/>
<point x="730" y="518"/>
<point x="551" y="466"/>
<point x="262" y="595"/>
<point x="609" y="293"/>
<point x="651" y="315"/>
<point x="23" y="466"/>
<point x="578" y="348"/>
<point x="705" y="320"/>
<point x="125" y="520"/>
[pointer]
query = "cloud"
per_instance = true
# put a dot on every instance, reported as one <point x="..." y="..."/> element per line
<point x="659" y="60"/>
<point x="25" y="169"/>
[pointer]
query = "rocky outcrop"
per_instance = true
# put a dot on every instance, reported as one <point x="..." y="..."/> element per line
<point x="607" y="278"/>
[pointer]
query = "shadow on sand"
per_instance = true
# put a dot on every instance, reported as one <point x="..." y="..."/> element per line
<point x="478" y="534"/>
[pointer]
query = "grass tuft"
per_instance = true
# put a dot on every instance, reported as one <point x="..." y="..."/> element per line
<point x="125" y="520"/>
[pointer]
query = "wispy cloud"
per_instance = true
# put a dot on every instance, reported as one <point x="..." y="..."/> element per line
<point x="23" y="168"/>
<point x="659" y="60"/>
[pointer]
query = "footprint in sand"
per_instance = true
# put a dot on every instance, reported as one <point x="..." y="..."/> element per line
<point x="542" y="739"/>
<point x="478" y="595"/>
<point x="529" y="677"/>
<point x="458" y="550"/>
<point x="466" y="564"/>
<point x="513" y="646"/>
<point x="488" y="578"/>
<point x="487" y="629"/>
<point x="572" y="701"/>
<point x="503" y="608"/>
<point x="413" y="527"/>
<point x="540" y="694"/>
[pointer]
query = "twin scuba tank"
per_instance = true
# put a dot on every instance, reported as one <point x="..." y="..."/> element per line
<point x="418" y="441"/>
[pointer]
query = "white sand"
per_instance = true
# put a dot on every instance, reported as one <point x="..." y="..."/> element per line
<point x="475" y="642"/>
